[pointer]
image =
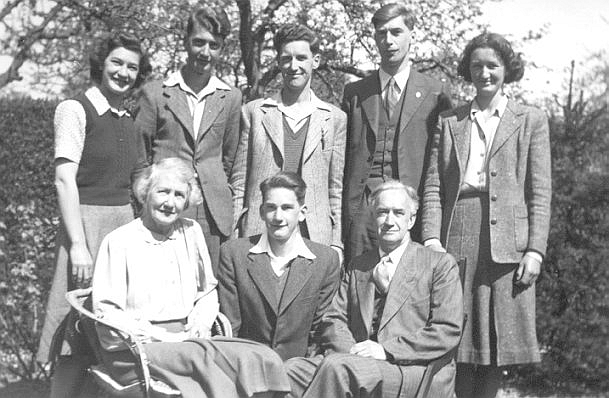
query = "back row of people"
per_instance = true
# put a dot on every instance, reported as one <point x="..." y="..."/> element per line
<point x="482" y="172"/>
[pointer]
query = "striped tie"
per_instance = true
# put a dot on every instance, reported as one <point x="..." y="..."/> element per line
<point x="381" y="275"/>
<point x="392" y="95"/>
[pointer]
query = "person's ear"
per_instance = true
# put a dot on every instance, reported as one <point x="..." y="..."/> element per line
<point x="412" y="220"/>
<point x="302" y="214"/>
<point x="316" y="60"/>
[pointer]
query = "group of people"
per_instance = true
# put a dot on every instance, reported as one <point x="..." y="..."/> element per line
<point x="348" y="248"/>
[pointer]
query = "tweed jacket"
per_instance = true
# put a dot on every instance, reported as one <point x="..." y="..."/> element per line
<point x="423" y="101"/>
<point x="423" y="312"/>
<point x="261" y="154"/>
<point x="519" y="180"/>
<point x="250" y="303"/>
<point x="164" y="122"/>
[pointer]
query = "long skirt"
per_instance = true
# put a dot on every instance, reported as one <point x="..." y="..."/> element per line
<point x="500" y="328"/>
<point x="221" y="367"/>
<point x="97" y="221"/>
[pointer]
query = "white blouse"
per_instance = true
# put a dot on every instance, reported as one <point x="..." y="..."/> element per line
<point x="139" y="279"/>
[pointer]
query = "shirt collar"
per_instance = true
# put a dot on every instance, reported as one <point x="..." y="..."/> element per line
<point x="396" y="254"/>
<point x="177" y="79"/>
<point x="401" y="78"/>
<point x="149" y="238"/>
<point x="101" y="104"/>
<point x="499" y="109"/>
<point x="276" y="100"/>
<point x="299" y="248"/>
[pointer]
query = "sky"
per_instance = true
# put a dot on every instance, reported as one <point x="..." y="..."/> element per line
<point x="571" y="30"/>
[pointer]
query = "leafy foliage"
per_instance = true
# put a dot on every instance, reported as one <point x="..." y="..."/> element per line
<point x="57" y="36"/>
<point x="573" y="295"/>
<point x="27" y="230"/>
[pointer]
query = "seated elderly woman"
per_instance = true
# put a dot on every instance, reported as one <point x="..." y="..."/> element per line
<point x="154" y="276"/>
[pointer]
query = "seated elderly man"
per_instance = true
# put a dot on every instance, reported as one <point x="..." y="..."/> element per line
<point x="397" y="308"/>
<point x="154" y="277"/>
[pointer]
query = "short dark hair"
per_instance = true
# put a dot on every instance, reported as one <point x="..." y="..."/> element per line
<point x="107" y="45"/>
<point x="295" y="32"/>
<point x="288" y="180"/>
<point x="514" y="65"/>
<point x="212" y="18"/>
<point x="393" y="10"/>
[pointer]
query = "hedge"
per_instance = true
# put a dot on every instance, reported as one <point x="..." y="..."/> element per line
<point x="573" y="292"/>
<point x="28" y="220"/>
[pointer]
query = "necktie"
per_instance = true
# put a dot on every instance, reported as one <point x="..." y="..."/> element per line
<point x="381" y="276"/>
<point x="392" y="95"/>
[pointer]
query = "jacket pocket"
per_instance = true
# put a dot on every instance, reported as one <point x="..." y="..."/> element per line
<point x="521" y="227"/>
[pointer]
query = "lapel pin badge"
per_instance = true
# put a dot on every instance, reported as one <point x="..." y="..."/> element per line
<point x="418" y="94"/>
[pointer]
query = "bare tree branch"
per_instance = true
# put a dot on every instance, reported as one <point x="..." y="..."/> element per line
<point x="352" y="70"/>
<point x="25" y="43"/>
<point x="269" y="76"/>
<point x="328" y="85"/>
<point x="8" y="8"/>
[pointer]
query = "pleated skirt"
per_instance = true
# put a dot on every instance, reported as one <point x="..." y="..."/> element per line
<point x="97" y="221"/>
<point x="221" y="367"/>
<point x="500" y="328"/>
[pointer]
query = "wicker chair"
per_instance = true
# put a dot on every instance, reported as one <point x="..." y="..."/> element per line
<point x="146" y="386"/>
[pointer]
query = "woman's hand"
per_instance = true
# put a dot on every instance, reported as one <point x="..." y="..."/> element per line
<point x="82" y="265"/>
<point x="200" y="332"/>
<point x="196" y="328"/>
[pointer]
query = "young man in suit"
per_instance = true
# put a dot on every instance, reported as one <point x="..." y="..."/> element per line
<point x="293" y="131"/>
<point x="391" y="116"/>
<point x="275" y="287"/>
<point x="194" y="115"/>
<point x="398" y="307"/>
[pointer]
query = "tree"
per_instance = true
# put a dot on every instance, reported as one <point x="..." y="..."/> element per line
<point x="55" y="35"/>
<point x="572" y="315"/>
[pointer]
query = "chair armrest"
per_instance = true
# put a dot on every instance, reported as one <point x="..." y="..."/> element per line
<point x="76" y="299"/>
<point x="222" y="326"/>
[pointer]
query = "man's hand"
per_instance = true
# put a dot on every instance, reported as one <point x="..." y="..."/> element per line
<point x="82" y="265"/>
<point x="369" y="349"/>
<point x="528" y="270"/>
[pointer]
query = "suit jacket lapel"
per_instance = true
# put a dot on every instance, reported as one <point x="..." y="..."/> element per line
<point x="400" y="288"/>
<point x="258" y="267"/>
<point x="300" y="272"/>
<point x="178" y="105"/>
<point x="371" y="105"/>
<point x="415" y="94"/>
<point x="508" y="125"/>
<point x="460" y="129"/>
<point x="214" y="104"/>
<point x="273" y="125"/>
<point x="365" y="290"/>
<point x="317" y="124"/>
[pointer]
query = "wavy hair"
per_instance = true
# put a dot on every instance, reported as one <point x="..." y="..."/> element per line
<point x="514" y="65"/>
<point x="117" y="40"/>
<point x="145" y="179"/>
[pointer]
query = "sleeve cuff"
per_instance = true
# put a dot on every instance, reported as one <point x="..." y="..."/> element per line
<point x="432" y="241"/>
<point x="534" y="255"/>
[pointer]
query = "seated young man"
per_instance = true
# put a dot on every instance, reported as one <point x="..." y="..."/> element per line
<point x="275" y="287"/>
<point x="398" y="307"/>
